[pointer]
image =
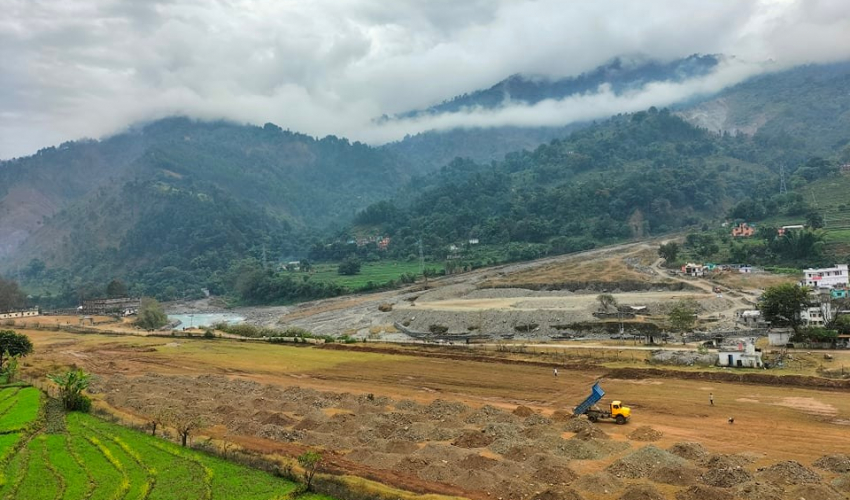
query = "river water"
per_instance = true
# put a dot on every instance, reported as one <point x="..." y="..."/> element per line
<point x="197" y="320"/>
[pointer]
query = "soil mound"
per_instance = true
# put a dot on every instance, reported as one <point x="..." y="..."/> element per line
<point x="476" y="462"/>
<point x="577" y="424"/>
<point x="842" y="483"/>
<point x="487" y="414"/>
<point x="789" y="472"/>
<point x="644" y="462"/>
<point x="561" y="416"/>
<point x="726" y="477"/>
<point x="536" y="419"/>
<point x="557" y="494"/>
<point x="689" y="451"/>
<point x="400" y="447"/>
<point x="758" y="491"/>
<point x="523" y="411"/>
<point x="815" y="492"/>
<point x="278" y="419"/>
<point x="642" y="492"/>
<point x="677" y="476"/>
<point x="520" y="453"/>
<point x="838" y="464"/>
<point x="474" y="439"/>
<point x="591" y="432"/>
<point x="721" y="461"/>
<point x="439" y="409"/>
<point x="704" y="493"/>
<point x="645" y="433"/>
<point x="600" y="483"/>
<point x="554" y="475"/>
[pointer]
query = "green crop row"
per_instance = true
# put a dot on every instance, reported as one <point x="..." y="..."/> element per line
<point x="24" y="411"/>
<point x="96" y="460"/>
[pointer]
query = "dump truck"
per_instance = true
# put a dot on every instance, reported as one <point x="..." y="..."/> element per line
<point x="616" y="412"/>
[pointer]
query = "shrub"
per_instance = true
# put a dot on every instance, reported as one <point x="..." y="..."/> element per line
<point x="385" y="307"/>
<point x="438" y="329"/>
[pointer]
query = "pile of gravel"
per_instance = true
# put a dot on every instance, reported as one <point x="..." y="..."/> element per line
<point x="726" y="477"/>
<point x="642" y="492"/>
<point x="700" y="492"/>
<point x="644" y="462"/>
<point x="676" y="476"/>
<point x="816" y="492"/>
<point x="689" y="451"/>
<point x="473" y="439"/>
<point x="600" y="483"/>
<point x="523" y="411"/>
<point x="758" y="491"/>
<point x="838" y="464"/>
<point x="645" y="433"/>
<point x="788" y="472"/>
<point x="558" y="494"/>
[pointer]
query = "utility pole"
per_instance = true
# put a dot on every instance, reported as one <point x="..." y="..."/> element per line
<point x="783" y="189"/>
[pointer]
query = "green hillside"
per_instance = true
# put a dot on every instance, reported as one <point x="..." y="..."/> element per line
<point x="84" y="458"/>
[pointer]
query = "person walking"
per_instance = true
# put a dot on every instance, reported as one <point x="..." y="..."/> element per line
<point x="711" y="399"/>
<point x="556" y="372"/>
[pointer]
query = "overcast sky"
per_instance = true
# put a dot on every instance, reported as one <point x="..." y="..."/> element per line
<point x="88" y="68"/>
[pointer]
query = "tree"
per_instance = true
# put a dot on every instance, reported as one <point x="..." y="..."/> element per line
<point x="349" y="267"/>
<point x="185" y="423"/>
<point x="814" y="219"/>
<point x="151" y="315"/>
<point x="781" y="304"/>
<point x="305" y="266"/>
<point x="11" y="297"/>
<point x="13" y="344"/>
<point x="115" y="289"/>
<point x="669" y="251"/>
<point x="310" y="461"/>
<point x="683" y="316"/>
<point x="606" y="301"/>
<point x="71" y="386"/>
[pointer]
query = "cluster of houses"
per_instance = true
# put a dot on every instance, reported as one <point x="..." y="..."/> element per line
<point x="744" y="230"/>
<point x="827" y="285"/>
<point x="700" y="270"/>
<point x="381" y="242"/>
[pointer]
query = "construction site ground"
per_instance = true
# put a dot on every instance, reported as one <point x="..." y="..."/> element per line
<point x="457" y="424"/>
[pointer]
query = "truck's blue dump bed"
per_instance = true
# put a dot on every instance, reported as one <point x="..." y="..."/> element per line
<point x="595" y="395"/>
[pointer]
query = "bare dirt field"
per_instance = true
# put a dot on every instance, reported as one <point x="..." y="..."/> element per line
<point x="478" y="429"/>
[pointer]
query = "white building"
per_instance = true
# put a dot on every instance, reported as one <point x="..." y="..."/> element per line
<point x="812" y="316"/>
<point x="830" y="277"/>
<point x="779" y="337"/>
<point x="741" y="354"/>
<point x="20" y="313"/>
<point x="750" y="318"/>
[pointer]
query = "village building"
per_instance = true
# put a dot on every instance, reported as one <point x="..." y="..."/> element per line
<point x="19" y="313"/>
<point x="813" y="316"/>
<point x="779" y="337"/>
<point x="740" y="354"/>
<point x="784" y="229"/>
<point x="829" y="277"/>
<point x="125" y="306"/>
<point x="743" y="230"/>
<point x="750" y="318"/>
<point x="695" y="270"/>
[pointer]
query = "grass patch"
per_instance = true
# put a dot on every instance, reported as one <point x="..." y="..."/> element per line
<point x="377" y="273"/>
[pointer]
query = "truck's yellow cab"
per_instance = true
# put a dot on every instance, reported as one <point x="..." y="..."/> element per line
<point x="617" y="408"/>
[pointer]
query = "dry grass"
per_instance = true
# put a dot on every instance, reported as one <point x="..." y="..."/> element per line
<point x="604" y="269"/>
<point x="754" y="281"/>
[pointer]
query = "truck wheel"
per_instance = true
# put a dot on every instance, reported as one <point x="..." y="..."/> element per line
<point x="621" y="420"/>
<point x="592" y="418"/>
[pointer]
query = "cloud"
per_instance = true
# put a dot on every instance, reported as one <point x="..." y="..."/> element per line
<point x="92" y="67"/>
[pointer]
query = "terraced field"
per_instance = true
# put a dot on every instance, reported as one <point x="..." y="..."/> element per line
<point x="95" y="460"/>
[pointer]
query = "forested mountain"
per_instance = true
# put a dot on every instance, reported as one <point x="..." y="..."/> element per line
<point x="634" y="175"/>
<point x="436" y="148"/>
<point x="807" y="107"/>
<point x="181" y="197"/>
<point x="620" y="74"/>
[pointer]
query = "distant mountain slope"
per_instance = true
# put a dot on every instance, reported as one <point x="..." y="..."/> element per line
<point x="620" y="74"/>
<point x="631" y="176"/>
<point x="808" y="106"/>
<point x="185" y="194"/>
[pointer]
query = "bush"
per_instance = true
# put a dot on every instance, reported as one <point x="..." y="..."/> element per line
<point x="438" y="329"/>
<point x="385" y="307"/>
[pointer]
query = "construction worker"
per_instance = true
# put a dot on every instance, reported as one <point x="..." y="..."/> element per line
<point x="555" y="371"/>
<point x="711" y="399"/>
